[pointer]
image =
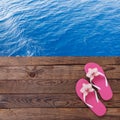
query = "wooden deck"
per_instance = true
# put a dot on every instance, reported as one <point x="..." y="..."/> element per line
<point x="43" y="88"/>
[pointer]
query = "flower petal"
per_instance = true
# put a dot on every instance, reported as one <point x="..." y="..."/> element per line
<point x="82" y="90"/>
<point x="89" y="86"/>
<point x="95" y="70"/>
<point x="88" y="75"/>
<point x="91" y="90"/>
<point x="96" y="74"/>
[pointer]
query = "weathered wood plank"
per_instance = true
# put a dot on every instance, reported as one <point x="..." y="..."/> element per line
<point x="57" y="114"/>
<point x="15" y="61"/>
<point x="37" y="61"/>
<point x="49" y="101"/>
<point x="74" y="60"/>
<point x="54" y="72"/>
<point x="46" y="86"/>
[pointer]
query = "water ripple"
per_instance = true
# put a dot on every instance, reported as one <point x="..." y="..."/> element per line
<point x="60" y="28"/>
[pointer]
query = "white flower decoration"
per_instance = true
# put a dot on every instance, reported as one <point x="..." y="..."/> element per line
<point x="86" y="88"/>
<point x="92" y="72"/>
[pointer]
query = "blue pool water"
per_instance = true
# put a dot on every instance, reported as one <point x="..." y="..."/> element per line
<point x="59" y="27"/>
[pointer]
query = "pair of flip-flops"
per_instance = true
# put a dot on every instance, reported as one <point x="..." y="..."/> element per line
<point x="88" y="94"/>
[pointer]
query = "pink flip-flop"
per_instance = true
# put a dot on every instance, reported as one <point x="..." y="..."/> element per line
<point x="98" y="80"/>
<point x="88" y="95"/>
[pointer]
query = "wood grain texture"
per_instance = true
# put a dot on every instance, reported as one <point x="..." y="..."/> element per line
<point x="50" y="101"/>
<point x="46" y="85"/>
<point x="37" y="61"/>
<point x="53" y="72"/>
<point x="42" y="88"/>
<point x="57" y="114"/>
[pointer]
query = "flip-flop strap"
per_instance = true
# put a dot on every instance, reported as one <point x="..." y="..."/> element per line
<point x="106" y="82"/>
<point x="84" y="98"/>
<point x="95" y="86"/>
